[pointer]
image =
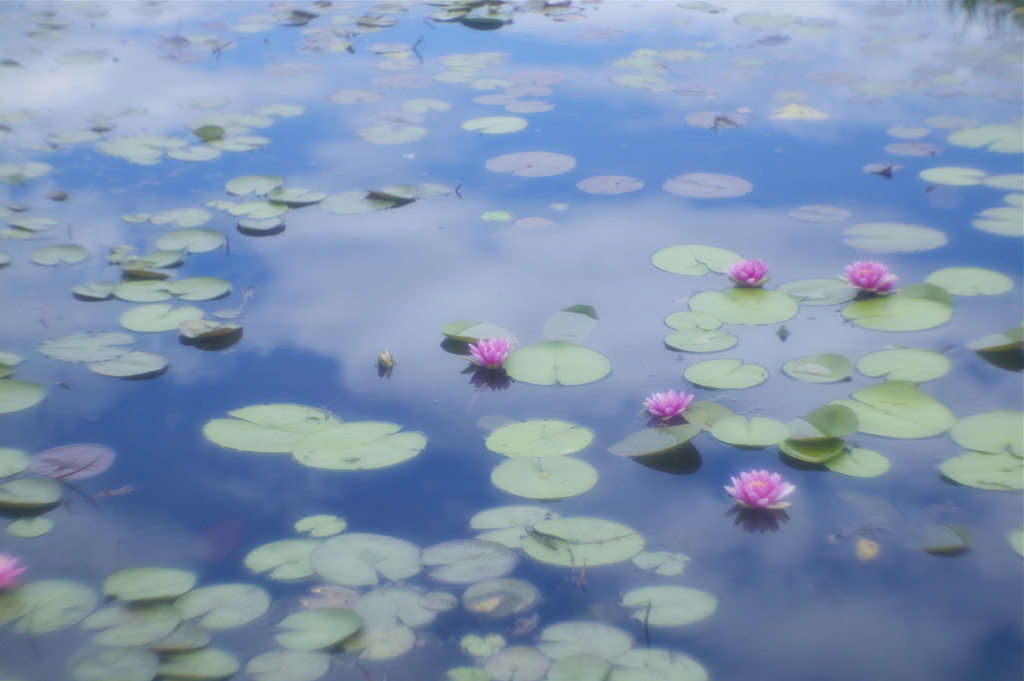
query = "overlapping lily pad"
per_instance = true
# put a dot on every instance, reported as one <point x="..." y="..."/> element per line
<point x="124" y="665"/>
<point x="738" y="305"/>
<point x="288" y="665"/>
<point x="224" y="605"/>
<point x="905" y="364"/>
<point x="567" y="639"/>
<point x="360" y="559"/>
<point x="575" y="542"/>
<point x="508" y="525"/>
<point x="318" y="629"/>
<point x="500" y="597"/>
<point x="283" y="560"/>
<point x="133" y="625"/>
<point x="859" y="463"/>
<point x="755" y="432"/>
<point x="995" y="432"/>
<point x="897" y="409"/>
<point x="694" y="259"/>
<point x="826" y="368"/>
<point x="158" y="317"/>
<point x="464" y="561"/>
<point x="914" y="308"/>
<point x="652" y="441"/>
<point x="46" y="605"/>
<point x="267" y="428"/>
<point x="819" y="291"/>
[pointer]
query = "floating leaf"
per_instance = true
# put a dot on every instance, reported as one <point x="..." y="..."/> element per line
<point x="69" y="254"/>
<point x="1016" y="537"/>
<point x="158" y="317"/>
<point x="72" y="462"/>
<point x="285" y="560"/>
<point x="571" y="324"/>
<point x="579" y="668"/>
<point x="147" y="584"/>
<point x="567" y="639"/>
<point x="532" y="164"/>
<point x="575" y="542"/>
<point x="819" y="291"/>
<point x="550" y="362"/>
<point x="30" y="527"/>
<point x="1002" y="221"/>
<point x="896" y="409"/>
<point x="495" y="125"/>
<point x="725" y="373"/>
<point x="905" y="364"/>
<point x="464" y="561"/>
<point x="207" y="663"/>
<point x="29" y="494"/>
<point x="482" y="647"/>
<point x="826" y="368"/>
<point x="756" y="432"/>
<point x="707" y="186"/>
<point x="136" y="364"/>
<point x="321" y="525"/>
<point x="693" y="260"/>
<point x="1005" y="139"/>
<point x="664" y="563"/>
<point x="356" y="559"/>
<point x="142" y="291"/>
<point x="500" y="597"/>
<point x="943" y="540"/>
<point x="652" y="664"/>
<point x="1011" y="339"/>
<point x="669" y="606"/>
<point x="539" y="438"/>
<point x="821" y="214"/>
<point x="699" y="340"/>
<point x="508" y="525"/>
<point x="193" y="240"/>
<point x="739" y="305"/>
<point x="893" y="237"/>
<point x="358" y="446"/>
<point x="995" y="432"/>
<point x="182" y="217"/>
<point x="609" y="184"/>
<point x="86" y="347"/>
<point x="542" y="478"/>
<point x="859" y="463"/>
<point x="651" y="441"/>
<point x="133" y="625"/>
<point x="688" y="320"/>
<point x="296" y="197"/>
<point x="794" y="111"/>
<point x="119" y="665"/>
<point x="199" y="288"/>
<point x="288" y="665"/>
<point x="318" y="628"/>
<point x="471" y="332"/>
<point x="267" y="428"/>
<point x="970" y="281"/>
<point x="224" y="605"/>
<point x="48" y="605"/>
<point x="253" y="184"/>
<point x="813" y="451"/>
<point x="914" y="308"/>
<point x="517" y="663"/>
<point x="13" y="461"/>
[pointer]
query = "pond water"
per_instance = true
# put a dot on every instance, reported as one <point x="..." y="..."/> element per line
<point x="348" y="179"/>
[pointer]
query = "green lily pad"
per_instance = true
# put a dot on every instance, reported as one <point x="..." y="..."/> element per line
<point x="12" y="461"/>
<point x="708" y="186"/>
<point x="118" y="665"/>
<point x="186" y="636"/>
<point x="568" y="639"/>
<point x="136" y="364"/>
<point x="539" y="438"/>
<point x="725" y="373"/>
<point x="296" y="197"/>
<point x="664" y="563"/>
<point x="394" y="605"/>
<point x="464" y="561"/>
<point x="157" y="317"/>
<point x="258" y="210"/>
<point x="859" y="463"/>
<point x="550" y="362"/>
<point x="896" y="409"/>
<point x="44" y="606"/>
<point x="739" y="305"/>
<point x="670" y="606"/>
<point x="206" y="663"/>
<point x="756" y="432"/>
<point x="142" y="291"/>
<point x="985" y="471"/>
<point x="693" y="259"/>
<point x="1004" y="139"/>
<point x="132" y="624"/>
<point x="517" y="663"/>
<point x="543" y="478"/>
<point x="827" y="368"/>
<point x="321" y="525"/>
<point x="508" y="525"/>
<point x="954" y="176"/>
<point x="914" y="308"/>
<point x="500" y="597"/>
<point x="382" y="642"/>
<point x="19" y="395"/>
<point x="356" y="559"/>
<point x="651" y="441"/>
<point x="495" y="125"/>
<point x="33" y="224"/>
<point x="193" y="240"/>
<point x="471" y="332"/>
<point x="819" y="291"/>
<point x="267" y="428"/>
<point x="579" y="541"/>
<point x="824" y="423"/>
<point x="26" y="494"/>
<point x="147" y="584"/>
<point x="579" y="668"/>
<point x="358" y="446"/>
<point x="285" y="560"/>
<point x="942" y="540"/>
<point x="688" y="320"/>
<point x="1016" y="537"/>
<point x="700" y="340"/>
<point x="69" y="254"/>
<point x="1004" y="221"/>
<point x="288" y="665"/>
<point x="224" y="605"/>
<point x="182" y="217"/>
<point x="995" y="432"/>
<point x="86" y="347"/>
<point x="905" y="364"/>
<point x="199" y="288"/>
<point x="1011" y="339"/>
<point x="268" y="227"/>
<point x="532" y="164"/>
<point x="893" y="237"/>
<point x="479" y="646"/>
<point x="652" y="664"/>
<point x="572" y="324"/>
<point x="253" y="184"/>
<point x="970" y="281"/>
<point x="318" y="628"/>
<point x="813" y="451"/>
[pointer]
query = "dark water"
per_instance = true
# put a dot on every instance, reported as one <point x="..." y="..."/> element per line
<point x="332" y="290"/>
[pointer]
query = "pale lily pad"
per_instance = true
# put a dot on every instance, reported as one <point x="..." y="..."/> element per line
<point x="394" y="605"/>
<point x="199" y="288"/>
<point x="693" y="259"/>
<point x="118" y="665"/>
<point x="914" y="308"/>
<point x="897" y="409"/>
<point x="1016" y="537"/>
<point x="813" y="451"/>
<point x="86" y="347"/>
<point x="1009" y="181"/>
<point x="193" y="240"/>
<point x="28" y="528"/>
<point x="688" y="320"/>
<point x="1004" y="221"/>
<point x="508" y="525"/>
<point x="567" y="639"/>
<point x="288" y="665"/>
<point x="197" y="153"/>
<point x="818" y="291"/>
<point x="905" y="364"/>
<point x="12" y="461"/>
<point x="48" y="605"/>
<point x="827" y="368"/>
<point x="358" y="446"/>
<point x="495" y="125"/>
<point x="224" y="605"/>
<point x="318" y="628"/>
<point x="651" y="441"/>
<point x="758" y="431"/>
<point x="942" y="540"/>
<point x="699" y="340"/>
<point x="464" y="561"/>
<point x="69" y="254"/>
<point x="500" y="597"/>
<point x="517" y="663"/>
<point x="181" y="217"/>
<point x="147" y="584"/>
<point x="206" y="663"/>
<point x="670" y="606"/>
<point x="579" y="668"/>
<point x="253" y="184"/>
<point x="859" y="463"/>
<point x="550" y="362"/>
<point x="207" y="329"/>
<point x="133" y="625"/>
<point x="33" y="224"/>
<point x="284" y="560"/>
<point x="1011" y="339"/>
<point x="479" y="646"/>
<point x="970" y="281"/>
<point x="268" y="227"/>
<point x="186" y="636"/>
<point x="893" y="237"/>
<point x="725" y="373"/>
<point x="258" y="210"/>
<point x="539" y="438"/>
<point x="820" y="214"/>
<point x="707" y="186"/>
<point x="267" y="428"/>
<point x="355" y="203"/>
<point x="575" y="542"/>
<point x="29" y="494"/>
<point x="543" y="478"/>
<point x="665" y="563"/>
<point x="955" y="176"/>
<point x="471" y="332"/>
<point x="794" y="111"/>
<point x="825" y="423"/>
<point x="1004" y="139"/>
<point x="609" y="184"/>
<point x="321" y="525"/>
<point x="296" y="197"/>
<point x="356" y="559"/>
<point x="532" y="164"/>
<point x="158" y="317"/>
<point x="986" y="471"/>
<point x="382" y="642"/>
<point x="17" y="395"/>
<point x="135" y="364"/>
<point x="72" y="462"/>
<point x="995" y="432"/>
<point x="739" y="305"/>
<point x="142" y="291"/>
<point x="572" y="324"/>
<point x="652" y="664"/>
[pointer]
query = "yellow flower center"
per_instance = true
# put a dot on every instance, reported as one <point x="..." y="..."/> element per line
<point x="757" y="483"/>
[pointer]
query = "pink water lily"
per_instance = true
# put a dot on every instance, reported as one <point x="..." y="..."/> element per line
<point x="760" y="489"/>
<point x="9" y="570"/>
<point x="668" y="404"/>
<point x="871" y="276"/>
<point x="748" y="273"/>
<point x="490" y="353"/>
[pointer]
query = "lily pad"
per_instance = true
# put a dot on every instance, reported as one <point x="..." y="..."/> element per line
<point x="29" y="494"/>
<point x="136" y="364"/>
<point x="550" y="362"/>
<point x="609" y="184"/>
<point x="193" y="240"/>
<point x="147" y="584"/>
<point x="650" y="441"/>
<point x="132" y="625"/>
<point x="688" y="320"/>
<point x="970" y="281"/>
<point x="572" y="324"/>
<point x="905" y="364"/>
<point x="284" y="560"/>
<point x="267" y="428"/>
<point x="818" y="291"/>
<point x="29" y="528"/>
<point x="544" y="478"/>
<point x="693" y="259"/>
<point x="48" y="605"/>
<point x="142" y="291"/>
<point x="508" y="525"/>
<point x="707" y="186"/>
<point x="738" y="305"/>
<point x="495" y="125"/>
<point x="532" y="164"/>
<point x="820" y="214"/>
<point x="813" y="451"/>
<point x="539" y="438"/>
<point x="69" y="254"/>
<point x="253" y="184"/>
<point x="1004" y="221"/>
<point x="723" y="374"/>
<point x="72" y="462"/>
<point x="652" y="664"/>
<point x="664" y="563"/>
<point x="859" y="463"/>
<point x="199" y="288"/>
<point x="500" y="597"/>
<point x="914" y="308"/>
<point x="358" y="446"/>
<point x="1005" y="139"/>
<point x="181" y="217"/>
<point x="568" y="639"/>
<point x="1007" y="341"/>
<point x="18" y="395"/>
<point x="943" y="540"/>
<point x="296" y="197"/>
<point x="517" y="663"/>
<point x="119" y="665"/>
<point x="86" y="347"/>
<point x="670" y="606"/>
<point x="827" y="368"/>
<point x="825" y="423"/>
<point x="986" y="471"/>
<point x="158" y="317"/>
<point x="699" y="340"/>
<point x="953" y="175"/>
<point x="318" y="628"/>
<point x="893" y="237"/>
<point x="224" y="605"/>
<point x="288" y="665"/>
<point x="757" y="432"/>
<point x="897" y="409"/>
<point x="382" y="642"/>
<point x="12" y="461"/>
<point x="356" y="559"/>
<point x="321" y="525"/>
<point x="579" y="541"/>
<point x="579" y="668"/>
<point x="206" y="663"/>
<point x="995" y="432"/>
<point x="464" y="561"/>
<point x="471" y="332"/>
